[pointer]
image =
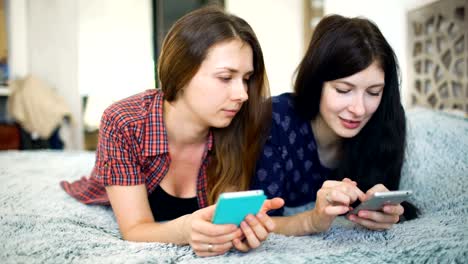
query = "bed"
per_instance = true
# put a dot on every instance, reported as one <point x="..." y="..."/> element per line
<point x="39" y="223"/>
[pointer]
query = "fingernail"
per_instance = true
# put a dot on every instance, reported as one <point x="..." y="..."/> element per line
<point x="249" y="218"/>
<point x="260" y="215"/>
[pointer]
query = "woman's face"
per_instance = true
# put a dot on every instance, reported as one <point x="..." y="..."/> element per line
<point x="347" y="104"/>
<point x="217" y="91"/>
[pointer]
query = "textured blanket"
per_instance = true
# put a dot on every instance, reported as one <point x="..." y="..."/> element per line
<point x="39" y="223"/>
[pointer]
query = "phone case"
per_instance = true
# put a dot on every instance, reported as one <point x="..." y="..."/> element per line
<point x="233" y="207"/>
<point x="382" y="198"/>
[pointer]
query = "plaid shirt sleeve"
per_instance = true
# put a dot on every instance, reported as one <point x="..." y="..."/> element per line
<point x="117" y="156"/>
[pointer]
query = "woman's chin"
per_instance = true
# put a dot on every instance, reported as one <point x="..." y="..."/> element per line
<point x="222" y="123"/>
<point x="348" y="133"/>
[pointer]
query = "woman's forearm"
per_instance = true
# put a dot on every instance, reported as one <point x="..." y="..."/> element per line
<point x="297" y="225"/>
<point x="167" y="232"/>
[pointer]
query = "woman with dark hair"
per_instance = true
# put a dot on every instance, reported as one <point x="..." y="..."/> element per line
<point x="340" y="134"/>
<point x="165" y="155"/>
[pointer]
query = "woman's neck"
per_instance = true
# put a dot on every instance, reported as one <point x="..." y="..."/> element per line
<point x="328" y="142"/>
<point x="181" y="127"/>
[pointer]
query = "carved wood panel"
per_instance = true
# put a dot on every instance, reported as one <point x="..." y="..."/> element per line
<point x="438" y="59"/>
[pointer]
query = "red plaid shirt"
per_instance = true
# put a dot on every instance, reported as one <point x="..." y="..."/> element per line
<point x="132" y="150"/>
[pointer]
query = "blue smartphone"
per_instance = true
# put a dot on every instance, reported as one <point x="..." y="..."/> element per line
<point x="233" y="207"/>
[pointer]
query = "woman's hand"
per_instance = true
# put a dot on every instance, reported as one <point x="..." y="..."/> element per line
<point x="333" y="199"/>
<point x="206" y="238"/>
<point x="377" y="220"/>
<point x="255" y="229"/>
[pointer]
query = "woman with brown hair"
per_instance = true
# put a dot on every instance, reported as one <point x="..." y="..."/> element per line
<point x="165" y="155"/>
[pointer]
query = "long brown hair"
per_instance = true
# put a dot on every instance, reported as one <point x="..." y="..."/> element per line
<point x="236" y="147"/>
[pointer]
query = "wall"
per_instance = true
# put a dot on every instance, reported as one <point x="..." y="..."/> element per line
<point x="390" y="17"/>
<point x="115" y="47"/>
<point x="44" y="39"/>
<point x="115" y="56"/>
<point x="279" y="28"/>
<point x="17" y="38"/>
<point x="83" y="47"/>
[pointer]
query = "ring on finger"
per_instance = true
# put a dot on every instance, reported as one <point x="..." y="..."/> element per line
<point x="210" y="248"/>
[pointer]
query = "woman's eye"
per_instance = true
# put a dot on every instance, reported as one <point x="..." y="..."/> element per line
<point x="374" y="93"/>
<point x="341" y="91"/>
<point x="225" y="79"/>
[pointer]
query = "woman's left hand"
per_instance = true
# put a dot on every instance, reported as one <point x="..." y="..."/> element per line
<point x="378" y="220"/>
<point x="256" y="228"/>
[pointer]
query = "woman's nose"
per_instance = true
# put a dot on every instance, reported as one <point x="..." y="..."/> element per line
<point x="357" y="107"/>
<point x="239" y="91"/>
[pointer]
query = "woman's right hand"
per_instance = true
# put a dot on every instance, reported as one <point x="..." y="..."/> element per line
<point x="333" y="199"/>
<point x="206" y="238"/>
<point x="255" y="229"/>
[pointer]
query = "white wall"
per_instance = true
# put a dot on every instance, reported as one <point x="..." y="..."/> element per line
<point x="115" y="52"/>
<point x="44" y="42"/>
<point x="390" y="17"/>
<point x="16" y="14"/>
<point x="83" y="47"/>
<point x="115" y="46"/>
<point x="278" y="25"/>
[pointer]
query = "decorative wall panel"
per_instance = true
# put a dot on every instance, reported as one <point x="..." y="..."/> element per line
<point x="438" y="57"/>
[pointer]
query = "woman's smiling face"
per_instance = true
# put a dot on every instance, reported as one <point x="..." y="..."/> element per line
<point x="347" y="104"/>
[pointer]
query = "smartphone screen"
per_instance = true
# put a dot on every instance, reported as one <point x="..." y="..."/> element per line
<point x="233" y="207"/>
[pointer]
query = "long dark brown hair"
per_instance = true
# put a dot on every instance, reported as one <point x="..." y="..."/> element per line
<point x="236" y="147"/>
<point x="341" y="47"/>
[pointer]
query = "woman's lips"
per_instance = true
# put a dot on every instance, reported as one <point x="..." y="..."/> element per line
<point x="230" y="112"/>
<point x="349" y="124"/>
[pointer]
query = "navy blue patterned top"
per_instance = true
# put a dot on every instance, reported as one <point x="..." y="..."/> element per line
<point x="289" y="166"/>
